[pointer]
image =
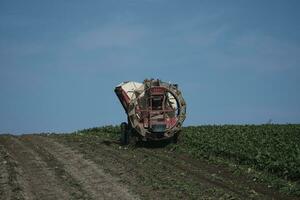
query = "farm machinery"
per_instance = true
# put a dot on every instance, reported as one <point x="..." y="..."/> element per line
<point x="155" y="110"/>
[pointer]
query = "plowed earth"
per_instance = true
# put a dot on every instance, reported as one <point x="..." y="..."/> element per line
<point x="81" y="167"/>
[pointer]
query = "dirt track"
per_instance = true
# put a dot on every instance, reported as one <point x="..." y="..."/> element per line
<point x="39" y="168"/>
<point x="65" y="167"/>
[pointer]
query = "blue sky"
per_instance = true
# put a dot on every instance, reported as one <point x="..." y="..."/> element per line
<point x="236" y="62"/>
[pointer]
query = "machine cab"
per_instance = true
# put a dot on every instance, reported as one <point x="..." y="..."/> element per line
<point x="160" y="114"/>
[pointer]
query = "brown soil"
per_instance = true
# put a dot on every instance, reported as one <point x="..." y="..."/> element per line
<point x="34" y="167"/>
<point x="81" y="167"/>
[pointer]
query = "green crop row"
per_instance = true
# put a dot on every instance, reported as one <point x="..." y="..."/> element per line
<point x="272" y="148"/>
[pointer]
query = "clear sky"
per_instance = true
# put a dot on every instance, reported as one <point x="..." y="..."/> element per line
<point x="236" y="62"/>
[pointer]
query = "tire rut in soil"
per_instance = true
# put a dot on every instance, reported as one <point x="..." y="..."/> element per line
<point x="38" y="181"/>
<point x="140" y="165"/>
<point x="213" y="175"/>
<point x="128" y="165"/>
<point x="71" y="185"/>
<point x="182" y="170"/>
<point x="128" y="170"/>
<point x="92" y="178"/>
<point x="198" y="174"/>
<point x="118" y="163"/>
<point x="156" y="171"/>
<point x="10" y="183"/>
<point x="236" y="181"/>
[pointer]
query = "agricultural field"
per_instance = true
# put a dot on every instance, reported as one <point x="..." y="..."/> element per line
<point x="272" y="150"/>
<point x="208" y="162"/>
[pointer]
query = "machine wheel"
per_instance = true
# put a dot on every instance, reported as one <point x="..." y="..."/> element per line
<point x="175" y="138"/>
<point x="125" y="136"/>
<point x="133" y="138"/>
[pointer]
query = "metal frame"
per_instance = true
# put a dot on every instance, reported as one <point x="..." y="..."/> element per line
<point x="153" y="87"/>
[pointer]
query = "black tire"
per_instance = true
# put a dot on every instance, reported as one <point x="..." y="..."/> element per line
<point x="133" y="138"/>
<point x="175" y="138"/>
<point x="125" y="135"/>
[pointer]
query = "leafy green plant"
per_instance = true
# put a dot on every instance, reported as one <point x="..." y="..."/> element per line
<point x="274" y="148"/>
